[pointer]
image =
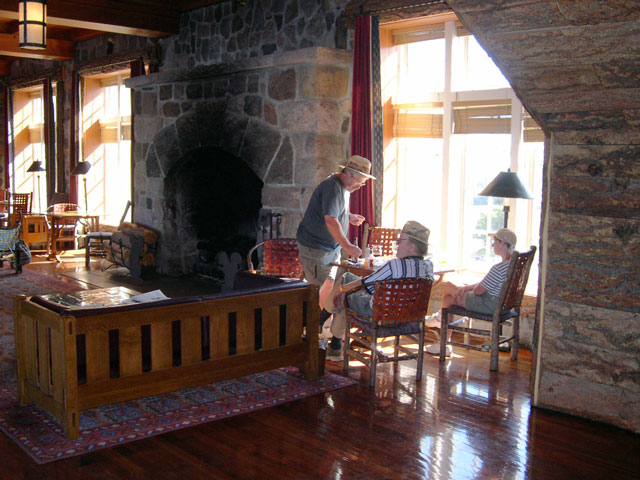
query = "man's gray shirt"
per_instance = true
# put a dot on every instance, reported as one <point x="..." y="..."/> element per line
<point x="329" y="198"/>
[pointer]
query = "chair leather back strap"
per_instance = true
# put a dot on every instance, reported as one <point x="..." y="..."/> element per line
<point x="400" y="301"/>
<point x="281" y="258"/>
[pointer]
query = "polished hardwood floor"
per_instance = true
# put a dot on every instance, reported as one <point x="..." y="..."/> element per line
<point x="460" y="422"/>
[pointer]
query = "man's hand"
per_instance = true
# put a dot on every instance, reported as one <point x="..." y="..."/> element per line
<point x="352" y="250"/>
<point x="355" y="219"/>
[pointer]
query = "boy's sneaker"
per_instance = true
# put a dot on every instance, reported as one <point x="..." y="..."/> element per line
<point x="334" y="354"/>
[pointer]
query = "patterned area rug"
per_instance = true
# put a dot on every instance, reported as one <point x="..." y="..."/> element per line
<point x="41" y="436"/>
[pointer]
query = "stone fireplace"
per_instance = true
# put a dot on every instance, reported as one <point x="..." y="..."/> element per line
<point x="221" y="148"/>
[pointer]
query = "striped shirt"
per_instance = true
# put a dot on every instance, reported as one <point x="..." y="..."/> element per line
<point x="408" y="267"/>
<point x="495" y="278"/>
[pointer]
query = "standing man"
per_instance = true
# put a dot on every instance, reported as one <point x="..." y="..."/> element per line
<point x="323" y="229"/>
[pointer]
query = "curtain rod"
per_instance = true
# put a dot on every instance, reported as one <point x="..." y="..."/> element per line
<point x="391" y="9"/>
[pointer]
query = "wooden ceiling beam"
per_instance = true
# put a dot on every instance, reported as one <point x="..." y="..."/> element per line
<point x="147" y="18"/>
<point x="56" y="49"/>
<point x="186" y="5"/>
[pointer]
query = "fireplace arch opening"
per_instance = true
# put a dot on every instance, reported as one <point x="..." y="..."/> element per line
<point x="213" y="201"/>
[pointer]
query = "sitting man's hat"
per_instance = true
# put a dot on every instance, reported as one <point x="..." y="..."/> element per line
<point x="506" y="235"/>
<point x="359" y="164"/>
<point x="416" y="231"/>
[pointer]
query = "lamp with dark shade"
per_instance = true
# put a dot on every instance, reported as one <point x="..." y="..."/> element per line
<point x="506" y="185"/>
<point x="81" y="169"/>
<point x="36" y="167"/>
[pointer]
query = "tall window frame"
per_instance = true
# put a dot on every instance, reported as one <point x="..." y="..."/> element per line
<point x="433" y="142"/>
<point x="31" y="137"/>
<point x="105" y="128"/>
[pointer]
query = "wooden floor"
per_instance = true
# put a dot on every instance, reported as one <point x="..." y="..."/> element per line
<point x="459" y="422"/>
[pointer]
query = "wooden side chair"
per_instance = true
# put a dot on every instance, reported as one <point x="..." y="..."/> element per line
<point x="380" y="236"/>
<point x="399" y="308"/>
<point x="20" y="205"/>
<point x="280" y="258"/>
<point x="507" y="312"/>
<point x="94" y="240"/>
<point x="67" y="226"/>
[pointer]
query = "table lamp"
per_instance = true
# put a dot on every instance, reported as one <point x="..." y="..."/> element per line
<point x="36" y="167"/>
<point x="81" y="169"/>
<point x="506" y="185"/>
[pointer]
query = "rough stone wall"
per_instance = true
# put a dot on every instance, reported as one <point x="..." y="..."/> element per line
<point x="286" y="115"/>
<point x="576" y="68"/>
<point x="229" y="31"/>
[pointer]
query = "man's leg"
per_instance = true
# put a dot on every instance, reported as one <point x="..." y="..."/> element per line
<point x="360" y="302"/>
<point x="318" y="269"/>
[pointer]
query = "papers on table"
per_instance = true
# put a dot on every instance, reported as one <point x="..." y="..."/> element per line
<point x="152" y="296"/>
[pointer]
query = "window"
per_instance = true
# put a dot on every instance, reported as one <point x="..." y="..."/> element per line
<point x="456" y="124"/>
<point x="27" y="141"/>
<point x="106" y="143"/>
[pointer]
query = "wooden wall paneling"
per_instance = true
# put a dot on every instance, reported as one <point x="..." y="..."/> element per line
<point x="97" y="347"/>
<point x="130" y="351"/>
<point x="161" y="345"/>
<point x="57" y="365"/>
<point x="219" y="335"/>
<point x="245" y="331"/>
<point x="44" y="352"/>
<point x="294" y="323"/>
<point x="191" y="340"/>
<point x="270" y="326"/>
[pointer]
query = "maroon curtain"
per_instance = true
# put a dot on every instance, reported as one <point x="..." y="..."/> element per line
<point x="74" y="137"/>
<point x="7" y="112"/>
<point x="362" y="199"/>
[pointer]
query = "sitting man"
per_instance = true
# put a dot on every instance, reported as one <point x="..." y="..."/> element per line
<point x="410" y="263"/>
<point x="482" y="296"/>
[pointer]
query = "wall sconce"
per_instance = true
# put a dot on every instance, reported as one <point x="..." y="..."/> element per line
<point x="81" y="169"/>
<point x="506" y="185"/>
<point x="32" y="24"/>
<point x="36" y="167"/>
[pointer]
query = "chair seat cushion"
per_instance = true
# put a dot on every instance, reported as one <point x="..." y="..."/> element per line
<point x="401" y="329"/>
<point x="463" y="312"/>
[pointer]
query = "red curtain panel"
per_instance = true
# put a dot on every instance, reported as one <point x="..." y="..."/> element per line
<point x="362" y="199"/>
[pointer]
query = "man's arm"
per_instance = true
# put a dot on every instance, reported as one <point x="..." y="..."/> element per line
<point x="338" y="235"/>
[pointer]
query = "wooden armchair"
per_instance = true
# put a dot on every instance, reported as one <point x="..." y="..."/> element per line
<point x="280" y="258"/>
<point x="382" y="236"/>
<point x="398" y="308"/>
<point x="508" y="311"/>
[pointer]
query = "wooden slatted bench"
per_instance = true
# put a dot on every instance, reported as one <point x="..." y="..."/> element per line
<point x="71" y="360"/>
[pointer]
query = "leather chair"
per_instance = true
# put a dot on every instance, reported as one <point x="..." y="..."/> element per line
<point x="280" y="258"/>
<point x="507" y="312"/>
<point x="382" y="236"/>
<point x="399" y="308"/>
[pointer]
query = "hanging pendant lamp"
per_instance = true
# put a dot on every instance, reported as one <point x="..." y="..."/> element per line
<point x="32" y="24"/>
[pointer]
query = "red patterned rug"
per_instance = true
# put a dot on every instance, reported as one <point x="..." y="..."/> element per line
<point x="41" y="436"/>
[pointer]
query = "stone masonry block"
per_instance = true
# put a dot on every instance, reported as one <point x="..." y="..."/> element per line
<point x="324" y="81"/>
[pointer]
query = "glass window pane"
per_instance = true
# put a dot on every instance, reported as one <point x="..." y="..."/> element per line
<point x="472" y="68"/>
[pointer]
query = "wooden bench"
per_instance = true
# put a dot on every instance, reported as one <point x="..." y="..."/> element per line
<point x="71" y="360"/>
